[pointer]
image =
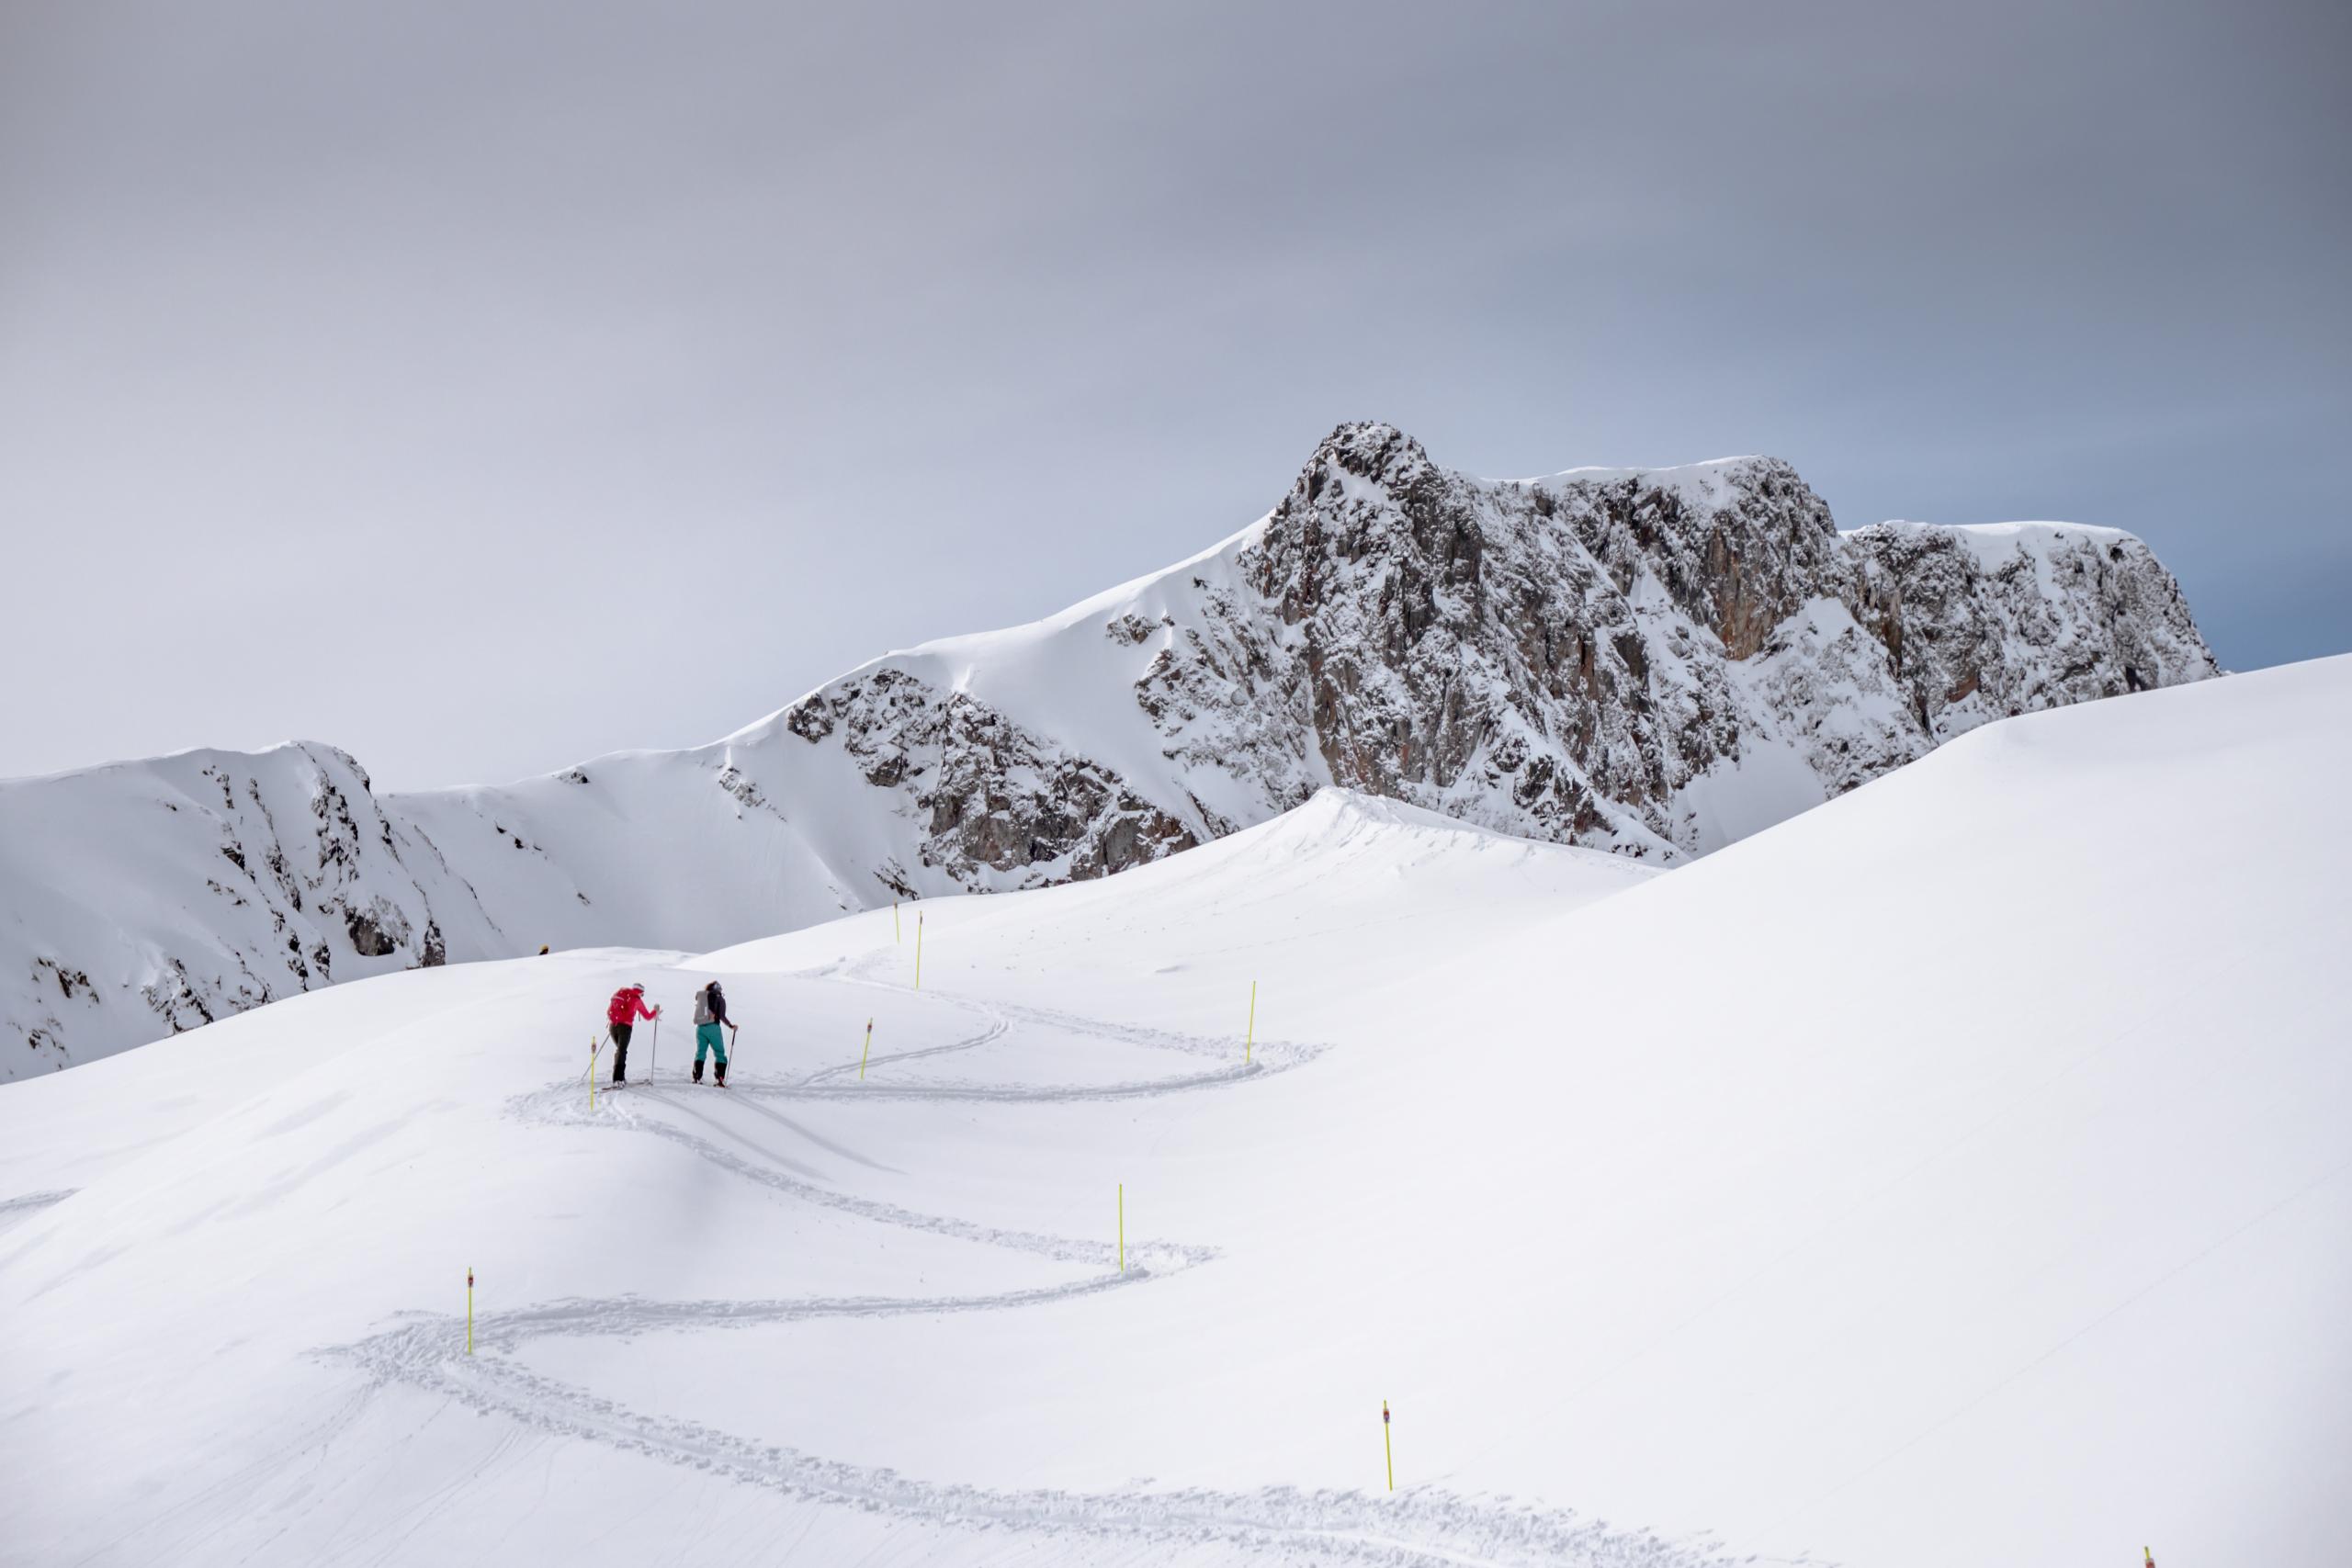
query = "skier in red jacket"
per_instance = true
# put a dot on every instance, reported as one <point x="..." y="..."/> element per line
<point x="627" y="1007"/>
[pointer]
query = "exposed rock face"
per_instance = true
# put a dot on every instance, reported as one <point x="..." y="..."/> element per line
<point x="993" y="796"/>
<point x="1999" y="620"/>
<point x="153" y="897"/>
<point x="1655" y="662"/>
<point x="1573" y="658"/>
<point x="1531" y="656"/>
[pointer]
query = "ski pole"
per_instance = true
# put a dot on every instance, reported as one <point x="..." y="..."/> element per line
<point x="653" y="1063"/>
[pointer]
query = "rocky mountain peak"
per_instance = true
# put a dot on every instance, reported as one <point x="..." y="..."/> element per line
<point x="1650" y="662"/>
<point x="1369" y="450"/>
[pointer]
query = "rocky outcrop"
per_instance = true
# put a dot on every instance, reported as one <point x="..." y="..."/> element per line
<point x="147" y="899"/>
<point x="1578" y="657"/>
<point x="1981" y="623"/>
<point x="992" y="797"/>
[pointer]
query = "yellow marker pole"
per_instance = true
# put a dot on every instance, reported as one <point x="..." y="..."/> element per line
<point x="1249" y="1043"/>
<point x="1388" y="1445"/>
<point x="918" y="950"/>
<point x="469" y="1308"/>
<point x="868" y="1050"/>
<point x="1123" y="1227"/>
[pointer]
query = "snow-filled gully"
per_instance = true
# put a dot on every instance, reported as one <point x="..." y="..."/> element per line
<point x="1419" y="1527"/>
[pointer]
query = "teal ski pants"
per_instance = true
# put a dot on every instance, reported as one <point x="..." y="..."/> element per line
<point x="709" y="1037"/>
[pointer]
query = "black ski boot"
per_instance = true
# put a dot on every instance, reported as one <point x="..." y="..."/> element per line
<point x="698" y="1072"/>
<point x="722" y="1075"/>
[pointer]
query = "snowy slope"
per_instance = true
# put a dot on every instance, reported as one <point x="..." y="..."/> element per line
<point x="768" y="829"/>
<point x="1951" y="1175"/>
<point x="1656" y="662"/>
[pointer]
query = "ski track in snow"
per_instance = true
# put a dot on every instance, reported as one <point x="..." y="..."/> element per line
<point x="1419" y="1527"/>
<point x="841" y="1081"/>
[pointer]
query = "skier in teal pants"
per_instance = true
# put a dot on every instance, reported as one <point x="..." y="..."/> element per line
<point x="710" y="1019"/>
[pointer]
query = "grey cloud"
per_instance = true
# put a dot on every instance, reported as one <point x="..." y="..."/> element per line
<point x="481" y="387"/>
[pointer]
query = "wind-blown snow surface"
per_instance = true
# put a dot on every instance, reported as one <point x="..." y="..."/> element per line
<point x="1952" y="1174"/>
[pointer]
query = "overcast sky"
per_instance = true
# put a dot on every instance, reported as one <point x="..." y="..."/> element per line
<point x="484" y="387"/>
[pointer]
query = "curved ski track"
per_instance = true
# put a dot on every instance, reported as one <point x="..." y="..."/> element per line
<point x="841" y="1081"/>
<point x="1414" y="1530"/>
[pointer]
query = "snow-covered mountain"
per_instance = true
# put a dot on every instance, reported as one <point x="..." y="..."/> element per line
<point x="1938" y="1178"/>
<point x="140" y="899"/>
<point x="1655" y="663"/>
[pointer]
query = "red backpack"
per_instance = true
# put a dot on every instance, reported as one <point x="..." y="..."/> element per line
<point x="624" y="1006"/>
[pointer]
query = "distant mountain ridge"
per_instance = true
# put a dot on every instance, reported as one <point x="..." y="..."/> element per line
<point x="1655" y="663"/>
